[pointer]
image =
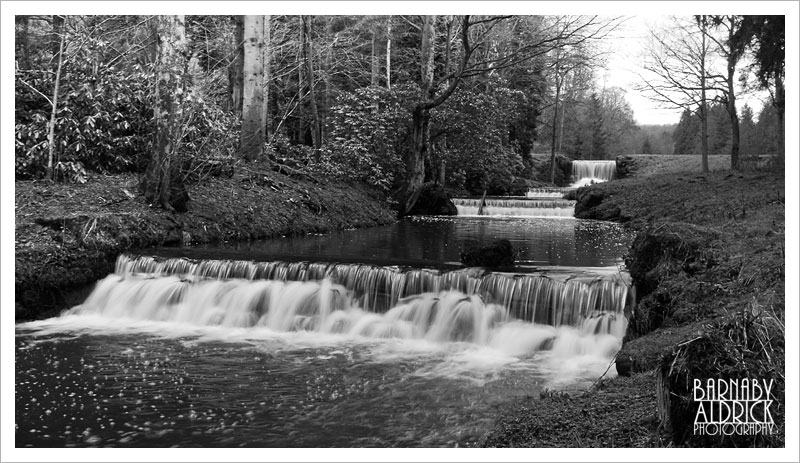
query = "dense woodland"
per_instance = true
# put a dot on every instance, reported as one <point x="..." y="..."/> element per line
<point x="392" y="101"/>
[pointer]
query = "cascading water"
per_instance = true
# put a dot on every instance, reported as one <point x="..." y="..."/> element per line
<point x="538" y="207"/>
<point x="289" y="296"/>
<point x="541" y="193"/>
<point x="588" y="172"/>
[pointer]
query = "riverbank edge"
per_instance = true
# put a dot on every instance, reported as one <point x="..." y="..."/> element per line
<point x="707" y="247"/>
<point x="69" y="235"/>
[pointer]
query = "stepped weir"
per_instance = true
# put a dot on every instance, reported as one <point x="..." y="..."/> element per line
<point x="531" y="207"/>
<point x="354" y="298"/>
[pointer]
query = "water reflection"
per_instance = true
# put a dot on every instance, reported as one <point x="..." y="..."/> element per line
<point x="436" y="242"/>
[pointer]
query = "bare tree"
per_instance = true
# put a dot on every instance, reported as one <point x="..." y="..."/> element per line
<point x="677" y="70"/>
<point x="236" y="70"/>
<point x="308" y="67"/>
<point x="253" y="123"/>
<point x="58" y="57"/>
<point x="162" y="184"/>
<point x="389" y="52"/>
<point x="729" y="49"/>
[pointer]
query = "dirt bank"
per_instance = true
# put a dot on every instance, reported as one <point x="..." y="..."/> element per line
<point x="708" y="247"/>
<point x="68" y="235"/>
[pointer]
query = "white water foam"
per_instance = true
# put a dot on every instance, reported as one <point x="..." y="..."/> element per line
<point x="471" y="339"/>
<point x="588" y="172"/>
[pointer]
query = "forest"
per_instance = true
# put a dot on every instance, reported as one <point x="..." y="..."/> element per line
<point x="391" y="101"/>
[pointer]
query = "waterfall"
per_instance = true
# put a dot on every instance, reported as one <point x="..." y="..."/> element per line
<point x="354" y="299"/>
<point x="552" y="192"/>
<point x="586" y="172"/>
<point x="539" y="207"/>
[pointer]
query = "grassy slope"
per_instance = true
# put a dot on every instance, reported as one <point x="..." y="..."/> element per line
<point x="726" y="251"/>
<point x="68" y="235"/>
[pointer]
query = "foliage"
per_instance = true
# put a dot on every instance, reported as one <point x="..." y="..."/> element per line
<point x="208" y="130"/>
<point x="102" y="119"/>
<point x="368" y="134"/>
<point x="471" y="135"/>
<point x="687" y="133"/>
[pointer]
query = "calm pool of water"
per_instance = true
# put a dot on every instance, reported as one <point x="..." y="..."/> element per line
<point x="436" y="242"/>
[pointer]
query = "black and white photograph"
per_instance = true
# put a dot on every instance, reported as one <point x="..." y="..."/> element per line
<point x="400" y="231"/>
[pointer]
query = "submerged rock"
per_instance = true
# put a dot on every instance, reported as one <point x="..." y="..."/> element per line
<point x="500" y="253"/>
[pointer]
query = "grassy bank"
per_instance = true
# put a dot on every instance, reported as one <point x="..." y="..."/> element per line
<point x="68" y="235"/>
<point x="708" y="264"/>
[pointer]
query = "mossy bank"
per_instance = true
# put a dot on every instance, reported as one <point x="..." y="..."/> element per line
<point x="68" y="235"/>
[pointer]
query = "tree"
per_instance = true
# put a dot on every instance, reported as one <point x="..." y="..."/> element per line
<point x="162" y="183"/>
<point x="732" y="52"/>
<point x="253" y="123"/>
<point x="308" y="66"/>
<point x="719" y="125"/>
<point x="646" y="148"/>
<point x="236" y="69"/>
<point x="482" y="52"/>
<point x="747" y="131"/>
<point x="767" y="131"/>
<point x="764" y="36"/>
<point x="677" y="67"/>
<point x="686" y="133"/>
<point x="597" y="124"/>
<point x="58" y="57"/>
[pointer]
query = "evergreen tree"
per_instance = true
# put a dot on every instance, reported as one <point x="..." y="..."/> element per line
<point x="686" y="135"/>
<point x="646" y="148"/>
<point x="747" y="129"/>
<point x="767" y="131"/>
<point x="598" y="130"/>
<point x="719" y="129"/>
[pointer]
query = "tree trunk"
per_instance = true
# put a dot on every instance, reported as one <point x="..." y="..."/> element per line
<point x="252" y="136"/>
<point x="734" y="117"/>
<point x="780" y="107"/>
<point x="267" y="75"/>
<point x="554" y="131"/>
<point x="374" y="68"/>
<point x="703" y="107"/>
<point x="51" y="134"/>
<point x="421" y="120"/>
<point x="415" y="164"/>
<point x="55" y="38"/>
<point x="162" y="184"/>
<point x="389" y="53"/>
<point x="236" y="71"/>
<point x="316" y="132"/>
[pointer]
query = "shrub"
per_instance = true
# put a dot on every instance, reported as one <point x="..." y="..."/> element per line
<point x="369" y="131"/>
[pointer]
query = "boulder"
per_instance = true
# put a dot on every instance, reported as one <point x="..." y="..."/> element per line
<point x="500" y="253"/>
